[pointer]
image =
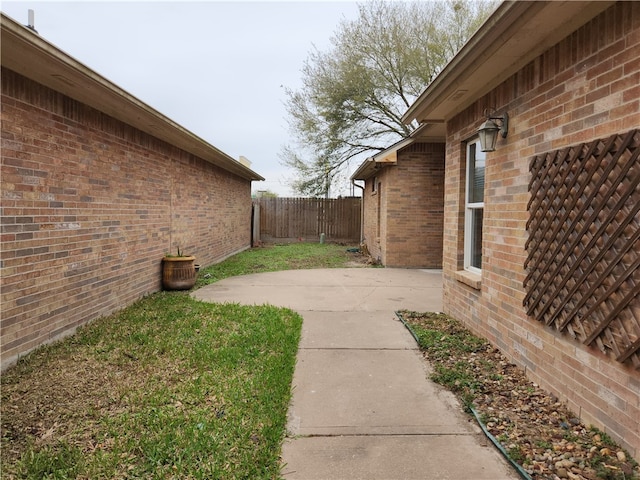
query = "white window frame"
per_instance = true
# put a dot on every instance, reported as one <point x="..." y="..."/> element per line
<point x="471" y="207"/>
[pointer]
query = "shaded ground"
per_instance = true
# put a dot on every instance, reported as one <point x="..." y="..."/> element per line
<point x="536" y="430"/>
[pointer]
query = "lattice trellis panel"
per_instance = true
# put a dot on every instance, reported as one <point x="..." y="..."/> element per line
<point x="583" y="250"/>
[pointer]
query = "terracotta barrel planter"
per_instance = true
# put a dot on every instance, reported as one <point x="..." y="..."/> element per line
<point x="178" y="273"/>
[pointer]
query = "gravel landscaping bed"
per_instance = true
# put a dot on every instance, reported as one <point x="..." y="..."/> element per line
<point x="536" y="430"/>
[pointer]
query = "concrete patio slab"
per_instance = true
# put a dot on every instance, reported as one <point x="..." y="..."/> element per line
<point x="369" y="392"/>
<point x="346" y="290"/>
<point x="406" y="457"/>
<point x="358" y="329"/>
<point x="362" y="404"/>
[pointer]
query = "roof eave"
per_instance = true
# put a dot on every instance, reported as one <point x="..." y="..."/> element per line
<point x="365" y="170"/>
<point x="28" y="54"/>
<point x="386" y="157"/>
<point x="515" y="34"/>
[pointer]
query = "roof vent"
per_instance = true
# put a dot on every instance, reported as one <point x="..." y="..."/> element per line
<point x="31" y="21"/>
<point x="458" y="94"/>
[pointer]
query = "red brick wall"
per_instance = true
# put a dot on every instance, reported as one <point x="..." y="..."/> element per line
<point x="89" y="207"/>
<point x="415" y="196"/>
<point x="584" y="88"/>
<point x="410" y="198"/>
<point x="373" y="218"/>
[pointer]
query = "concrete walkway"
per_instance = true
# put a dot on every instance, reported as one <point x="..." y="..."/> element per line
<point x="363" y="406"/>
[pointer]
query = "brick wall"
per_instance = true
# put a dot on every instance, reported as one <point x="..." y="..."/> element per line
<point x="415" y="196"/>
<point x="410" y="199"/>
<point x="89" y="207"/>
<point x="372" y="213"/>
<point x="584" y="88"/>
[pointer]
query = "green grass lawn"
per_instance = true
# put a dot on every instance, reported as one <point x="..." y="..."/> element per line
<point x="167" y="388"/>
<point x="274" y="258"/>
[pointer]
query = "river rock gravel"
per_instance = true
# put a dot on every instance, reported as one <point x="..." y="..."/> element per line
<point x="537" y="430"/>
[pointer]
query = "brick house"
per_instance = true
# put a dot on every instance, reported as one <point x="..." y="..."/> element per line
<point x="96" y="188"/>
<point x="540" y="245"/>
<point x="403" y="201"/>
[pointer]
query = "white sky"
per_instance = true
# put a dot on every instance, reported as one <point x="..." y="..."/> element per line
<point x="217" y="68"/>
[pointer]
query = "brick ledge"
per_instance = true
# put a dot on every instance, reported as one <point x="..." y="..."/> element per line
<point x="474" y="280"/>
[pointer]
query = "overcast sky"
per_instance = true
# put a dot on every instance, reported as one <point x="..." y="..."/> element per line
<point x="217" y="68"/>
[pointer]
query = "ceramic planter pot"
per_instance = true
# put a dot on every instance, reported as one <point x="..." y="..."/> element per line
<point x="178" y="273"/>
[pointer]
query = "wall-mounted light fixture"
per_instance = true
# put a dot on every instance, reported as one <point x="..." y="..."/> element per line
<point x="488" y="131"/>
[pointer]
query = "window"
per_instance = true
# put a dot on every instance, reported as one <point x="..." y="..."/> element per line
<point x="474" y="207"/>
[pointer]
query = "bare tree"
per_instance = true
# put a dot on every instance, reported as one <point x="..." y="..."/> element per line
<point x="353" y="96"/>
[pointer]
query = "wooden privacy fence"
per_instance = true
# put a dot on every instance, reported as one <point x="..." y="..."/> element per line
<point x="304" y="219"/>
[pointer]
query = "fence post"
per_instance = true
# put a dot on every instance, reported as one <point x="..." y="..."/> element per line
<point x="255" y="227"/>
